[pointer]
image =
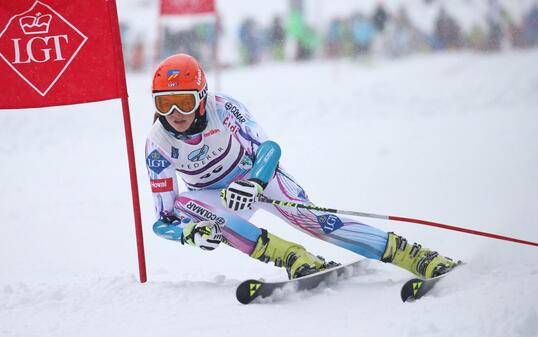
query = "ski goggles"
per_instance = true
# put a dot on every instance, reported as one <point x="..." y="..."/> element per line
<point x="184" y="101"/>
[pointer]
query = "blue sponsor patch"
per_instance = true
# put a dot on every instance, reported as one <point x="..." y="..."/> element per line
<point x="329" y="222"/>
<point x="171" y="74"/>
<point x="156" y="162"/>
<point x="199" y="154"/>
<point x="175" y="153"/>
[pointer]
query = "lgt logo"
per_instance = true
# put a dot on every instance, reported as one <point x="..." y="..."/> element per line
<point x="329" y="222"/>
<point x="156" y="162"/>
<point x="39" y="44"/>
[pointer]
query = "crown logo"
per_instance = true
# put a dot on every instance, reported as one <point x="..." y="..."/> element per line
<point x="38" y="24"/>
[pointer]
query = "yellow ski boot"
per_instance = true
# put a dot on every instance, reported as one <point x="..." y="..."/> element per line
<point x="422" y="262"/>
<point x="294" y="257"/>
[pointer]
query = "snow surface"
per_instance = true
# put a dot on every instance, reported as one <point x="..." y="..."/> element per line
<point x="444" y="137"/>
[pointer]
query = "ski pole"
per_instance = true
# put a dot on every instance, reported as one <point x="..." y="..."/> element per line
<point x="265" y="199"/>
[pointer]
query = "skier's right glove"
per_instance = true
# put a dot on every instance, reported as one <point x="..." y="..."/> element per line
<point x="204" y="234"/>
<point x="241" y="194"/>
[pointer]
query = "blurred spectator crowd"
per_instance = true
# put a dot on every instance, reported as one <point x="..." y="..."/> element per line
<point x="197" y="40"/>
<point x="381" y="32"/>
<point x="386" y="33"/>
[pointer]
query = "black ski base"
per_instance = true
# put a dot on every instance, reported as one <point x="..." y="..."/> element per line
<point x="417" y="287"/>
<point x="250" y="290"/>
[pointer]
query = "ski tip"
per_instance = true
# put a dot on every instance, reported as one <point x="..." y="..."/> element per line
<point x="247" y="291"/>
<point x="410" y="290"/>
<point x="418" y="287"/>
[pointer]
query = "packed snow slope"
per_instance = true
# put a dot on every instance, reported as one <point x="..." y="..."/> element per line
<point x="445" y="137"/>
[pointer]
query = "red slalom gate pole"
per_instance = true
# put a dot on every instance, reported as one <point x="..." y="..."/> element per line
<point x="394" y="218"/>
<point x="464" y="230"/>
<point x="122" y="84"/>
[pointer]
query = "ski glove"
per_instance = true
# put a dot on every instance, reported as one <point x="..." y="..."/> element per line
<point x="206" y="235"/>
<point x="241" y="194"/>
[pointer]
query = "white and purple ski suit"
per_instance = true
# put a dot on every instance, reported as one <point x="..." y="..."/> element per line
<point x="233" y="147"/>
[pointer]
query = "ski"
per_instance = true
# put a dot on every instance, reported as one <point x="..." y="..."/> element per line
<point x="417" y="287"/>
<point x="250" y="290"/>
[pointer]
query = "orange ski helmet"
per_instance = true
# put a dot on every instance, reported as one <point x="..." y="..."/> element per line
<point x="178" y="73"/>
<point x="181" y="72"/>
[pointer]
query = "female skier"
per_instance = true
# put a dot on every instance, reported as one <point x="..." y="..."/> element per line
<point x="212" y="142"/>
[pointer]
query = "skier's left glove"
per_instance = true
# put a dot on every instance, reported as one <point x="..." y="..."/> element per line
<point x="206" y="235"/>
<point x="241" y="194"/>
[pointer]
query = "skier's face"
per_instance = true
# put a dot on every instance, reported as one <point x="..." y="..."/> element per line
<point x="180" y="122"/>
